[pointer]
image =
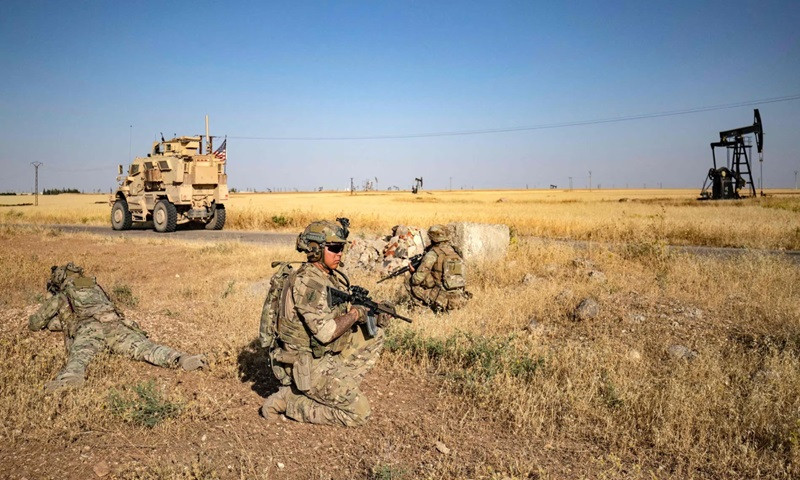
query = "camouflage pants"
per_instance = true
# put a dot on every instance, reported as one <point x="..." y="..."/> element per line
<point x="94" y="336"/>
<point x="439" y="300"/>
<point x="335" y="396"/>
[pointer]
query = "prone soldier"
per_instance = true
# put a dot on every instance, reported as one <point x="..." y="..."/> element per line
<point x="91" y="322"/>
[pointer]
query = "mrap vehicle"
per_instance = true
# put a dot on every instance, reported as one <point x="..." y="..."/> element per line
<point x="174" y="184"/>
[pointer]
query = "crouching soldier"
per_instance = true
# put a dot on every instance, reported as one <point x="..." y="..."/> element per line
<point x="320" y="349"/>
<point x="91" y="322"/>
<point x="439" y="282"/>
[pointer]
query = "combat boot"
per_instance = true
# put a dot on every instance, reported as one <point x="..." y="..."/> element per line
<point x="275" y="405"/>
<point x="192" y="362"/>
<point x="64" y="381"/>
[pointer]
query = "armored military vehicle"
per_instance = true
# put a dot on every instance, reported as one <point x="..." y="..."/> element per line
<point x="174" y="184"/>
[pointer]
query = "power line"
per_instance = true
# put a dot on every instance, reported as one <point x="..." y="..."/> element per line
<point x="625" y="118"/>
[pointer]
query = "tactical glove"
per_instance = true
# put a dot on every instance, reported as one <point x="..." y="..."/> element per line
<point x="384" y="319"/>
<point x="363" y="312"/>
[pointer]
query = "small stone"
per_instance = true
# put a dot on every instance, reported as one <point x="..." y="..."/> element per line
<point x="584" y="263"/>
<point x="203" y="438"/>
<point x="529" y="279"/>
<point x="564" y="295"/>
<point x="586" y="310"/>
<point x="634" y="356"/>
<point x="534" y="325"/>
<point x="502" y="200"/>
<point x="177" y="275"/>
<point x="101" y="469"/>
<point x="680" y="352"/>
<point x="597" y="276"/>
<point x="281" y="466"/>
<point x="637" y="318"/>
<point x="442" y="448"/>
<point x="87" y="448"/>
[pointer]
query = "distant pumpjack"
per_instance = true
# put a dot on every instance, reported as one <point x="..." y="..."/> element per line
<point x="726" y="181"/>
<point x="417" y="185"/>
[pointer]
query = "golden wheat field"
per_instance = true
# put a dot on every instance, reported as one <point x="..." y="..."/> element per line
<point x="689" y="369"/>
<point x="672" y="216"/>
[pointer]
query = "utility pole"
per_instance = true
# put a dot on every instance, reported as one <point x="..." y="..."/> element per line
<point x="570" y="184"/>
<point x="352" y="187"/>
<point x="795" y="179"/>
<point x="590" y="180"/>
<point x="451" y="182"/>
<point x="36" y="166"/>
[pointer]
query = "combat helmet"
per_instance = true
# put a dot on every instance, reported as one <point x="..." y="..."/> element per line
<point x="59" y="274"/>
<point x="438" y="233"/>
<point x="320" y="233"/>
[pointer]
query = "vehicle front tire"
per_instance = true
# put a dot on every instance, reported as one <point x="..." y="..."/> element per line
<point x="121" y="218"/>
<point x="165" y="216"/>
<point x="218" y="219"/>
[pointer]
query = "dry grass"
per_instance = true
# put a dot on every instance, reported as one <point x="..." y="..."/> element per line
<point x="672" y="216"/>
<point x="598" y="398"/>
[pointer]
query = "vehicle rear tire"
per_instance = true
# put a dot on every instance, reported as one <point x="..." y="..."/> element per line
<point x="121" y="218"/>
<point x="218" y="219"/>
<point x="165" y="216"/>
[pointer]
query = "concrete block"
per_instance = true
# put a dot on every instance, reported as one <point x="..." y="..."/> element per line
<point x="480" y="241"/>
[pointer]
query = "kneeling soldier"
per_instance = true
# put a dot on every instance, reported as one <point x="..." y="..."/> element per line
<point x="321" y="350"/>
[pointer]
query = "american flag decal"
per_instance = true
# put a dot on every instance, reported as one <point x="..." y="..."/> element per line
<point x="222" y="151"/>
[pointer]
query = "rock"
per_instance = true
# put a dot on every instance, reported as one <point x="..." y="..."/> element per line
<point x="86" y="448"/>
<point x="534" y="325"/>
<point x="694" y="312"/>
<point x="529" y="279"/>
<point x="564" y="295"/>
<point x="101" y="469"/>
<point x="634" y="355"/>
<point x="597" y="276"/>
<point x="680" y="352"/>
<point x="365" y="253"/>
<point x="481" y="241"/>
<point x="637" y="318"/>
<point x="502" y="200"/>
<point x="442" y="448"/>
<point x="586" y="310"/>
<point x="583" y="263"/>
<point x="281" y="466"/>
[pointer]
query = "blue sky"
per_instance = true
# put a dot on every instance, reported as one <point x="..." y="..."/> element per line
<point x="77" y="75"/>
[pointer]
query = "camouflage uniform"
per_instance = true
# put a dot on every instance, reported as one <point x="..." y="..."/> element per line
<point x="321" y="374"/>
<point x="90" y="322"/>
<point x="426" y="284"/>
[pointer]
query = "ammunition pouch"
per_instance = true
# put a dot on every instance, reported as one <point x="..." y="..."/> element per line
<point x="301" y="371"/>
<point x="281" y="362"/>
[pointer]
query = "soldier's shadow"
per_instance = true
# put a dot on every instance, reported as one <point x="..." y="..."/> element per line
<point x="254" y="367"/>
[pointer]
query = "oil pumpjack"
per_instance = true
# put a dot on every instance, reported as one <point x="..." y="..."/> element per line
<point x="727" y="181"/>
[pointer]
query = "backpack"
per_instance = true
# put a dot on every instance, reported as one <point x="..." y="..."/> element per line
<point x="452" y="268"/>
<point x="273" y="304"/>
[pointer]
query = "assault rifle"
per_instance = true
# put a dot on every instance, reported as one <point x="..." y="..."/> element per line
<point x="412" y="262"/>
<point x="360" y="296"/>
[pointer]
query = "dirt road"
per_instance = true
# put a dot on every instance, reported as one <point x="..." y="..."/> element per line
<point x="288" y="239"/>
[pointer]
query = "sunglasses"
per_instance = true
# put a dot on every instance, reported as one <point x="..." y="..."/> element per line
<point x="335" y="247"/>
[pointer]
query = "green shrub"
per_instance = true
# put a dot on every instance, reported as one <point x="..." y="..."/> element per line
<point x="146" y="407"/>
